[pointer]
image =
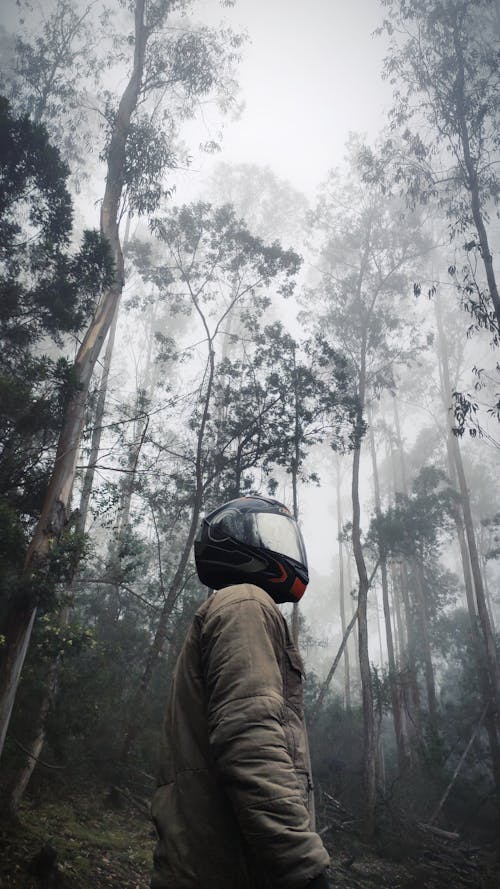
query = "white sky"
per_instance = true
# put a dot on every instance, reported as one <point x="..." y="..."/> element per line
<point x="311" y="74"/>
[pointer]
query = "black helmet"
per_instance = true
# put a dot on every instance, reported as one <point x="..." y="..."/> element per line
<point x="253" y="540"/>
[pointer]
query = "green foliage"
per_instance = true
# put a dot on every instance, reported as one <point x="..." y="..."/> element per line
<point x="55" y="60"/>
<point x="208" y="237"/>
<point x="443" y="64"/>
<point x="46" y="294"/>
<point x="414" y="527"/>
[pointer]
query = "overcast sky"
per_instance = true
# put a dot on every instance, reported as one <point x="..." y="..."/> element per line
<point x="311" y="74"/>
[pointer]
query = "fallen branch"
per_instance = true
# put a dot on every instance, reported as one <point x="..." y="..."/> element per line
<point x="458" y="766"/>
<point x="324" y="688"/>
<point x="445" y="834"/>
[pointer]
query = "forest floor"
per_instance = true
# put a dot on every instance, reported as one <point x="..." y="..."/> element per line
<point x="96" y="848"/>
<point x="99" y="849"/>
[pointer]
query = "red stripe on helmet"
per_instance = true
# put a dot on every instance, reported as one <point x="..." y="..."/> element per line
<point x="298" y="588"/>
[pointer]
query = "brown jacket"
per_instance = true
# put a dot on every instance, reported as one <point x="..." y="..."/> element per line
<point x="232" y="804"/>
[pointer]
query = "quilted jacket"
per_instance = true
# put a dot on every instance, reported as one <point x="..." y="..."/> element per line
<point x="233" y="802"/>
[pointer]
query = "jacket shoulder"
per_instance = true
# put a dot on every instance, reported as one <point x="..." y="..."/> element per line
<point x="240" y="593"/>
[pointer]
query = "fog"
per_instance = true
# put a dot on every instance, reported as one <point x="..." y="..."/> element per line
<point x="252" y="248"/>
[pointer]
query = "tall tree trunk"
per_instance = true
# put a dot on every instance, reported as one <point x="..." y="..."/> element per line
<point x="483" y="638"/>
<point x="409" y="685"/>
<point x="423" y="611"/>
<point x="399" y="637"/>
<point x="54" y="514"/>
<point x="326" y="684"/>
<point x="347" y="680"/>
<point x="295" y="474"/>
<point x="402" y="743"/>
<point x="487" y="593"/>
<point x="403" y="486"/>
<point x="95" y="442"/>
<point x="354" y="662"/>
<point x="369" y="749"/>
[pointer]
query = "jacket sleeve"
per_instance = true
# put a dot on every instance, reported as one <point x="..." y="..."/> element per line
<point x="242" y="647"/>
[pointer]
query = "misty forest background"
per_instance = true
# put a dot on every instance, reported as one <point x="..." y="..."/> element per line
<point x="178" y="329"/>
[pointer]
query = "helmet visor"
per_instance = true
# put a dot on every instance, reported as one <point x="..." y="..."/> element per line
<point x="263" y="530"/>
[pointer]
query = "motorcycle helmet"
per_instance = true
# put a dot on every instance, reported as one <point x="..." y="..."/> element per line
<point x="253" y="540"/>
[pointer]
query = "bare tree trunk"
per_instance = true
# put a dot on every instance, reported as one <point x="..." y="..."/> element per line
<point x="354" y="671"/>
<point x="403" y="486"/>
<point x="487" y="592"/>
<point x="457" y="768"/>
<point x="369" y="750"/>
<point x="347" y="681"/>
<point x="295" y="473"/>
<point x="430" y="683"/>
<point x="331" y="672"/>
<point x="95" y="442"/>
<point x="154" y="654"/>
<point x="54" y="514"/>
<point x="379" y="627"/>
<point x="400" y="641"/>
<point x="399" y="636"/>
<point x="410" y="694"/>
<point x="402" y="743"/>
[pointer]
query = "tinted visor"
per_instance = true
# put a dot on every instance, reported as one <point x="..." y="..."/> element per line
<point x="263" y="530"/>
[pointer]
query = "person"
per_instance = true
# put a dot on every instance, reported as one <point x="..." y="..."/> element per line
<point x="233" y="807"/>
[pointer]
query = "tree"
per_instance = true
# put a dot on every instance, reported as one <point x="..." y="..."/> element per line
<point x="443" y="144"/>
<point x="443" y="63"/>
<point x="47" y="293"/>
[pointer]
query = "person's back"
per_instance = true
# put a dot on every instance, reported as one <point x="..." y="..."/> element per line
<point x="232" y="808"/>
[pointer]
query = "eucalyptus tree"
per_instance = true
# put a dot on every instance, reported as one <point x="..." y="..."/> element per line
<point x="442" y="148"/>
<point x="368" y="246"/>
<point x="48" y="293"/>
<point x="51" y="68"/>
<point x="443" y="63"/>
<point x="136" y="154"/>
